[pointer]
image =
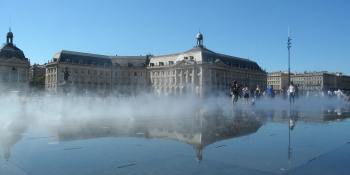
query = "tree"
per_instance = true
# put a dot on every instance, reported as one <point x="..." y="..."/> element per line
<point x="38" y="82"/>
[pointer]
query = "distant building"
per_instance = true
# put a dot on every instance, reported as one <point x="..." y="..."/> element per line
<point x="278" y="79"/>
<point x="14" y="67"/>
<point x="36" y="69"/>
<point x="310" y="81"/>
<point x="202" y="71"/>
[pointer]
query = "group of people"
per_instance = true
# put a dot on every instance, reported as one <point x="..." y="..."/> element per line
<point x="236" y="91"/>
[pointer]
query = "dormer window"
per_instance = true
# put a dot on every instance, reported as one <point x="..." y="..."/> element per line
<point x="186" y="58"/>
<point x="151" y="64"/>
<point x="142" y="64"/>
<point x="161" y="63"/>
<point x="171" y="62"/>
<point x="129" y="65"/>
<point x="191" y="57"/>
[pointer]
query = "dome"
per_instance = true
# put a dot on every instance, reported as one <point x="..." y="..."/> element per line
<point x="9" y="34"/>
<point x="199" y="36"/>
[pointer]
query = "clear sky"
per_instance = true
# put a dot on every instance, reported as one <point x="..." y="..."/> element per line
<point x="254" y="29"/>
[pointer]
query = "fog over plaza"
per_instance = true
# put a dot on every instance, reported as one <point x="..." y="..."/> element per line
<point x="54" y="108"/>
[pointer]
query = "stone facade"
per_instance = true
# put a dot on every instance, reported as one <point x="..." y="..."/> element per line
<point x="311" y="81"/>
<point x="35" y="70"/>
<point x="198" y="71"/>
<point x="203" y="72"/>
<point x="97" y="74"/>
<point x="14" y="67"/>
<point x="278" y="80"/>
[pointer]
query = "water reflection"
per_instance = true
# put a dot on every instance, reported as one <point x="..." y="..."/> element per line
<point x="197" y="127"/>
<point x="11" y="133"/>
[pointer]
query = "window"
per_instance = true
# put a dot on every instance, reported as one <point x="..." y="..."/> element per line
<point x="115" y="80"/>
<point x="95" y="72"/>
<point x="142" y="64"/>
<point x="135" y="73"/>
<point x="88" y="72"/>
<point x="122" y="73"/>
<point x="101" y="73"/>
<point x="82" y="71"/>
<point x="115" y="73"/>
<point x="135" y="80"/>
<point x="76" y="71"/>
<point x="128" y="73"/>
<point x="122" y="79"/>
<point x="142" y="73"/>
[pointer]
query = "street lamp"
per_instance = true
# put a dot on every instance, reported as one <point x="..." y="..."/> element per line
<point x="289" y="46"/>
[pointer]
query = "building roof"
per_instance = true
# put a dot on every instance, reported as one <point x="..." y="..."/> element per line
<point x="201" y="54"/>
<point x="9" y="51"/>
<point x="79" y="57"/>
<point x="89" y="59"/>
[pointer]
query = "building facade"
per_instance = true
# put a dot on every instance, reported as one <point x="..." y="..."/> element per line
<point x="91" y="73"/>
<point x="36" y="69"/>
<point x="311" y="81"/>
<point x="202" y="71"/>
<point x="14" y="67"/>
<point x="198" y="70"/>
<point x="278" y="80"/>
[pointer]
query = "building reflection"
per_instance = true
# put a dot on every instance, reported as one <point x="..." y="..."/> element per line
<point x="198" y="128"/>
<point x="11" y="132"/>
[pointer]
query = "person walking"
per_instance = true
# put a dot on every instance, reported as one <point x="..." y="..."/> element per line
<point x="245" y="94"/>
<point x="234" y="89"/>
<point x="257" y="93"/>
<point x="291" y="91"/>
<point x="270" y="92"/>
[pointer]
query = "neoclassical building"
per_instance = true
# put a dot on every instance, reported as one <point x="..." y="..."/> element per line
<point x="202" y="71"/>
<point x="278" y="79"/>
<point x="198" y="70"/>
<point x="14" y="67"/>
<point x="96" y="73"/>
<point x="310" y="81"/>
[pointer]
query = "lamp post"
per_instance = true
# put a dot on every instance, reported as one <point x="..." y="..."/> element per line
<point x="289" y="46"/>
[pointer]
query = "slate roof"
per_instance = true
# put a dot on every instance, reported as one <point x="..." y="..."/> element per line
<point x="9" y="51"/>
<point x="87" y="58"/>
<point x="201" y="54"/>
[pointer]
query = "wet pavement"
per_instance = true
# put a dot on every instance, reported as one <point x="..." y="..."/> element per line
<point x="199" y="140"/>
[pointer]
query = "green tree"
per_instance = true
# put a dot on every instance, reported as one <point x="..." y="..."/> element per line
<point x="38" y="82"/>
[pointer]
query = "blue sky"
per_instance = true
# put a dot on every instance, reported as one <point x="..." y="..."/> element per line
<point x="254" y="29"/>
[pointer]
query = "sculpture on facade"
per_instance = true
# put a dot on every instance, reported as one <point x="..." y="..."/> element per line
<point x="66" y="75"/>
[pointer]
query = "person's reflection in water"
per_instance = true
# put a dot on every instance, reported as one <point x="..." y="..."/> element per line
<point x="293" y="118"/>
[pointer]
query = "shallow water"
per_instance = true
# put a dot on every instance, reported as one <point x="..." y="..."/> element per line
<point x="271" y="137"/>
